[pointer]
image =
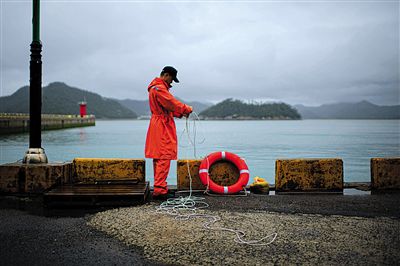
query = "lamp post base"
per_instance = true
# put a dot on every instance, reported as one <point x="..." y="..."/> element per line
<point x="35" y="155"/>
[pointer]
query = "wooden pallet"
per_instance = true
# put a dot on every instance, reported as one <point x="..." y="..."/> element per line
<point x="98" y="194"/>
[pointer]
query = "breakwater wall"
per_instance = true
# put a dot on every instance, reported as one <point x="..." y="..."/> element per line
<point x="292" y="175"/>
<point x="297" y="175"/>
<point x="19" y="123"/>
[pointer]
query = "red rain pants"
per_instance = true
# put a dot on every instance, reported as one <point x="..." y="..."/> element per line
<point x="161" y="169"/>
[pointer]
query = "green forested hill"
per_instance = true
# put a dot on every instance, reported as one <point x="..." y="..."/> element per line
<point x="359" y="110"/>
<point x="236" y="109"/>
<point x="59" y="98"/>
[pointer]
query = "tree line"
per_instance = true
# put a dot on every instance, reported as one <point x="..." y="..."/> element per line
<point x="238" y="109"/>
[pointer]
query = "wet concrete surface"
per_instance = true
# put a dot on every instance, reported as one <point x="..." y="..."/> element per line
<point x="304" y="235"/>
<point x="31" y="234"/>
<point x="380" y="205"/>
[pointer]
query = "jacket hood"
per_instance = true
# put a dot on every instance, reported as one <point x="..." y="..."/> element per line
<point x="158" y="81"/>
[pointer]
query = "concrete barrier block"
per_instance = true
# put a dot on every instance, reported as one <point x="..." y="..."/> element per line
<point x="33" y="178"/>
<point x="94" y="169"/>
<point x="385" y="173"/>
<point x="222" y="172"/>
<point x="40" y="177"/>
<point x="185" y="169"/>
<point x="309" y="175"/>
<point x="12" y="178"/>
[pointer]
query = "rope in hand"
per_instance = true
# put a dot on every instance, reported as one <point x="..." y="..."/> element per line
<point x="186" y="208"/>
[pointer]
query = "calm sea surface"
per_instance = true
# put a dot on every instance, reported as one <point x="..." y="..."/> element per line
<point x="259" y="142"/>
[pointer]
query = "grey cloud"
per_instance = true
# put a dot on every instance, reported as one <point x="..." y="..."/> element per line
<point x="310" y="53"/>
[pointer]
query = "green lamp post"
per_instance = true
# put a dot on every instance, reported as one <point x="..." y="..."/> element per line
<point x="35" y="153"/>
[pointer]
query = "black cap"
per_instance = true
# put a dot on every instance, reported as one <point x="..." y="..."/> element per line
<point x="172" y="71"/>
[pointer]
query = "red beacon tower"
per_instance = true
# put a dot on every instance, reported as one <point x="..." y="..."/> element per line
<point x="82" y="108"/>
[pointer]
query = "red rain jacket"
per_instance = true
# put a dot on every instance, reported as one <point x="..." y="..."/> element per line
<point x="161" y="140"/>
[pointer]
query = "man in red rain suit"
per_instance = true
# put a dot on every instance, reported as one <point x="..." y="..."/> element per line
<point x="161" y="140"/>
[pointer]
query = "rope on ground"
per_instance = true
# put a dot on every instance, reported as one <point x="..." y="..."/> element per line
<point x="186" y="208"/>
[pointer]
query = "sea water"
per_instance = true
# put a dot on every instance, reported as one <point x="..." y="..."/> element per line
<point x="260" y="143"/>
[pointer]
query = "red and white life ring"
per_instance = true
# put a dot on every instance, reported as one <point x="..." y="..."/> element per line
<point x="227" y="156"/>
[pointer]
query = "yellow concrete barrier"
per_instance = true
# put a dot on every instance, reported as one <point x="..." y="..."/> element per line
<point x="33" y="178"/>
<point x="12" y="178"/>
<point x="309" y="175"/>
<point x="94" y="169"/>
<point x="223" y="172"/>
<point x="385" y="173"/>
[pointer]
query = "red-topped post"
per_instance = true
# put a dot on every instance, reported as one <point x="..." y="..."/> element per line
<point x="82" y="108"/>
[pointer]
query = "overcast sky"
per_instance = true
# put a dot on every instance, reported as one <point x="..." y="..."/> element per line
<point x="310" y="52"/>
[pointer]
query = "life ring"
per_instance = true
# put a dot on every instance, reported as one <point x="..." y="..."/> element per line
<point x="227" y="156"/>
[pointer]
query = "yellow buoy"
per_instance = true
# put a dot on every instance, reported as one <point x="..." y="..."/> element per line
<point x="259" y="186"/>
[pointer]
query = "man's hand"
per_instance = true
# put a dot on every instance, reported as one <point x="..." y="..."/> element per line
<point x="189" y="111"/>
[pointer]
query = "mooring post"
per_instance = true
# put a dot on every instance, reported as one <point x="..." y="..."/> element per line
<point x="35" y="153"/>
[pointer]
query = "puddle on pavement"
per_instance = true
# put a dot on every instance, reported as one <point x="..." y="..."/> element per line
<point x="354" y="191"/>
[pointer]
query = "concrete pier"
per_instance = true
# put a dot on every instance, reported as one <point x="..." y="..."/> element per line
<point x="19" y="123"/>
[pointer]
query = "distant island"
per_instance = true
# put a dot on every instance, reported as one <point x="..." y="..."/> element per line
<point x="60" y="98"/>
<point x="360" y="110"/>
<point x="231" y="109"/>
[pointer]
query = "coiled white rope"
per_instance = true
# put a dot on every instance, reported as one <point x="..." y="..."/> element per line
<point x="186" y="208"/>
